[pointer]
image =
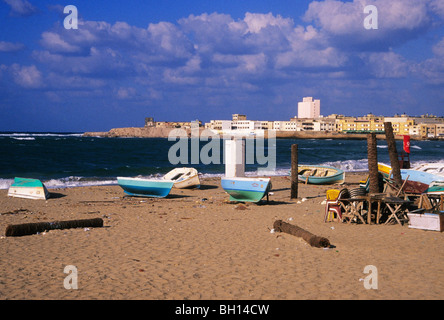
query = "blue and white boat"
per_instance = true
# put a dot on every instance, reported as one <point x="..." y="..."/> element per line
<point x="320" y="174"/>
<point x="140" y="187"/>
<point x="246" y="189"/>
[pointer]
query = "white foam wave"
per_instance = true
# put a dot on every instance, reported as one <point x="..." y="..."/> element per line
<point x="23" y="138"/>
<point x="73" y="181"/>
<point x="5" y="183"/>
<point x="349" y="165"/>
<point x="17" y="135"/>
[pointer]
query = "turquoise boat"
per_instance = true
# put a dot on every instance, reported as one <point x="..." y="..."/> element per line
<point x="246" y="189"/>
<point x="320" y="174"/>
<point x="436" y="187"/>
<point x="139" y="187"/>
<point x="28" y="189"/>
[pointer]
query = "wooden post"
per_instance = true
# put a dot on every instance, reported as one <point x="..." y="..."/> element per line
<point x="372" y="154"/>
<point x="393" y="154"/>
<point x="294" y="171"/>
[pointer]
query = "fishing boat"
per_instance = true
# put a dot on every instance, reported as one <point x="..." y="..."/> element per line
<point x="140" y="187"/>
<point x="418" y="182"/>
<point x="246" y="189"/>
<point x="436" y="187"/>
<point x="183" y="178"/>
<point x="28" y="189"/>
<point x="320" y="174"/>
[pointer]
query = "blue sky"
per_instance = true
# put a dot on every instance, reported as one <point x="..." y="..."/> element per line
<point x="186" y="60"/>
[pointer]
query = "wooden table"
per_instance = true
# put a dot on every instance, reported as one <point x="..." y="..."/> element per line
<point x="431" y="201"/>
<point x="354" y="207"/>
<point x="397" y="207"/>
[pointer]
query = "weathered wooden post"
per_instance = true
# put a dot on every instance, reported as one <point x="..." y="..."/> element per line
<point x="393" y="154"/>
<point x="372" y="155"/>
<point x="294" y="171"/>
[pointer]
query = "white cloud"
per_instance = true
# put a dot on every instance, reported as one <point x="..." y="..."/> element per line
<point x="343" y="22"/>
<point x="437" y="7"/>
<point x="26" y="76"/>
<point x="387" y="65"/>
<point x="258" y="21"/>
<point x="54" y="42"/>
<point x="124" y="93"/>
<point x="10" y="46"/>
<point x="432" y="69"/>
<point x="21" y="7"/>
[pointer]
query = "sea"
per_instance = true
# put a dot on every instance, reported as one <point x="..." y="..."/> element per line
<point x="68" y="159"/>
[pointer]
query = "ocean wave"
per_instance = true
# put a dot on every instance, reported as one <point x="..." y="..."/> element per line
<point x="5" y="183"/>
<point x="23" y="138"/>
<point x="348" y="165"/>
<point x="18" y="135"/>
<point x="73" y="181"/>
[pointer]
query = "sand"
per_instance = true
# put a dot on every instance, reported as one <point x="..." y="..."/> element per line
<point x="197" y="245"/>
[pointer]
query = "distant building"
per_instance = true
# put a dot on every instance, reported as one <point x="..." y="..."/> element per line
<point x="309" y="108"/>
<point x="149" y="122"/>
<point x="177" y="124"/>
<point x="424" y="126"/>
<point x="239" y="117"/>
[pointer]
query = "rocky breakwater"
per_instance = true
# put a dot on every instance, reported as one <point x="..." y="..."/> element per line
<point x="140" y="132"/>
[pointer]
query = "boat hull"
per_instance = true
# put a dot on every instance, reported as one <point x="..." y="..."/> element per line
<point x="320" y="175"/>
<point x="246" y="189"/>
<point x="28" y="189"/>
<point x="145" y="187"/>
<point x="436" y="187"/>
<point x="417" y="182"/>
<point x="191" y="182"/>
<point x="184" y="178"/>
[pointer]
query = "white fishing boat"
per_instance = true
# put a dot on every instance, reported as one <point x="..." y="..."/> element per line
<point x="183" y="178"/>
<point x="28" y="189"/>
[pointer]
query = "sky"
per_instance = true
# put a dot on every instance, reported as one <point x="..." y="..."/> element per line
<point x="178" y="60"/>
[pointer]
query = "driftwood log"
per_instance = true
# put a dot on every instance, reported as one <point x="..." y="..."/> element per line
<point x="311" y="239"/>
<point x="17" y="230"/>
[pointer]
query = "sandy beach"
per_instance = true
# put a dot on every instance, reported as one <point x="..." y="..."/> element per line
<point x="195" y="244"/>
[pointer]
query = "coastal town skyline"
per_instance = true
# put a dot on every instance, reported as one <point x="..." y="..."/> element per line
<point x="92" y="66"/>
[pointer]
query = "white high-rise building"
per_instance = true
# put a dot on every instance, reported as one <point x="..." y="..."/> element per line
<point x="309" y="108"/>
